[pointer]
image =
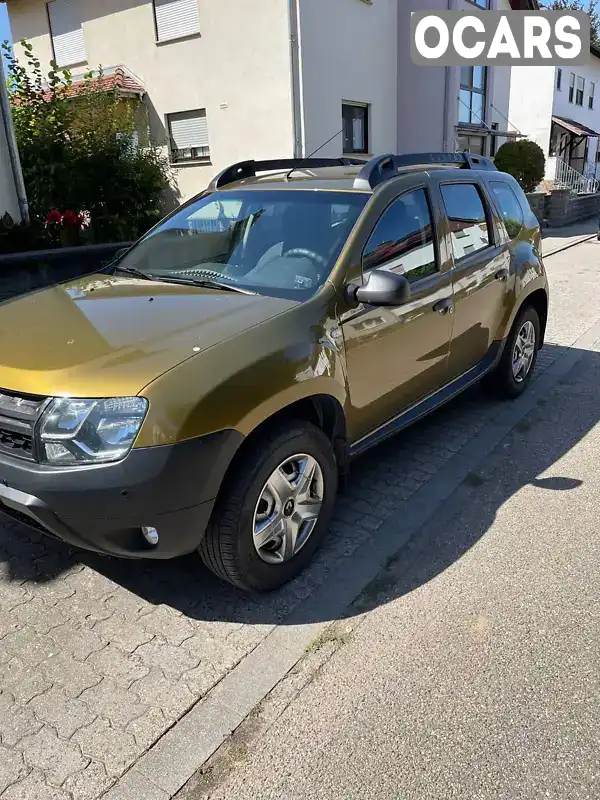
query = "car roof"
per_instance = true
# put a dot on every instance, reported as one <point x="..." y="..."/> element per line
<point x="342" y="174"/>
<point x="340" y="178"/>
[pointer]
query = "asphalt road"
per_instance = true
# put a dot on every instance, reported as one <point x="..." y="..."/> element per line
<point x="476" y="671"/>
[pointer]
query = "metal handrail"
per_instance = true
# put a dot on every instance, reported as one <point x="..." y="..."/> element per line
<point x="568" y="178"/>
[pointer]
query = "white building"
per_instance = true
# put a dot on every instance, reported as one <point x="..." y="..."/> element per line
<point x="453" y="108"/>
<point x="559" y="108"/>
<point x="224" y="82"/>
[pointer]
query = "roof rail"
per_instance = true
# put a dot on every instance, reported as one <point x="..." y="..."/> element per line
<point x="249" y="169"/>
<point x="382" y="168"/>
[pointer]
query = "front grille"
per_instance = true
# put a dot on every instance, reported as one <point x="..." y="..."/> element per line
<point x="18" y="416"/>
<point x="19" y="444"/>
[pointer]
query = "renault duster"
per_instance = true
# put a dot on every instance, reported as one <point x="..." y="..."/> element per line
<point x="208" y="391"/>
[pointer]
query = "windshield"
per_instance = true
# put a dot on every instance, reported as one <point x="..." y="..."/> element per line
<point x="275" y="242"/>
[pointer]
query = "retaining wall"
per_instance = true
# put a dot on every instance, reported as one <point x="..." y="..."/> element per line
<point x="26" y="272"/>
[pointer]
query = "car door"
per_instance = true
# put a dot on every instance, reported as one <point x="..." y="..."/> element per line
<point x="481" y="273"/>
<point x="397" y="356"/>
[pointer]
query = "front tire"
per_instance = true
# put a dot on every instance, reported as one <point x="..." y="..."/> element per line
<point x="275" y="509"/>
<point x="515" y="370"/>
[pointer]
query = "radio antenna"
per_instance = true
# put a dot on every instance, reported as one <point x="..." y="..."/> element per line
<point x="304" y="160"/>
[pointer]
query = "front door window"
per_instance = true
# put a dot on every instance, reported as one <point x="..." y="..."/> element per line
<point x="402" y="241"/>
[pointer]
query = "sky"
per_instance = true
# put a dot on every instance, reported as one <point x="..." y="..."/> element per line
<point x="4" y="26"/>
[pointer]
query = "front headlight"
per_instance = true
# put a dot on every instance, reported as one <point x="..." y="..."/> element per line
<point x="89" y="431"/>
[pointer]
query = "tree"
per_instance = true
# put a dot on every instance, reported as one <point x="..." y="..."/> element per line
<point x="81" y="152"/>
<point x="524" y="160"/>
<point x="590" y="7"/>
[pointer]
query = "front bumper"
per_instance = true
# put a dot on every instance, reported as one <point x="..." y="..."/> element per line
<point x="103" y="507"/>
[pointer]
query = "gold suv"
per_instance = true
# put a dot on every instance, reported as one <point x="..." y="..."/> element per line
<point x="208" y="391"/>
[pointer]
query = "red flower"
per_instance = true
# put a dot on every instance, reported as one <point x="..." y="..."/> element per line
<point x="71" y="218"/>
<point x="54" y="218"/>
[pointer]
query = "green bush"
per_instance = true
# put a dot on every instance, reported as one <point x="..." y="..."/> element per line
<point x="16" y="237"/>
<point x="524" y="160"/>
<point x="84" y="150"/>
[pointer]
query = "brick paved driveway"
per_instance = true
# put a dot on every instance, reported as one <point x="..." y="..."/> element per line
<point x="99" y="657"/>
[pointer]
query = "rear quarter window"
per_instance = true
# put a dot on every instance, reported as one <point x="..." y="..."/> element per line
<point x="509" y="206"/>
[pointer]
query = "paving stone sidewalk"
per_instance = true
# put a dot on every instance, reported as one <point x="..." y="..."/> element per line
<point x="100" y="657"/>
<point x="557" y="239"/>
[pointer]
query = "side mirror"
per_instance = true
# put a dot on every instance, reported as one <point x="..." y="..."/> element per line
<point x="382" y="288"/>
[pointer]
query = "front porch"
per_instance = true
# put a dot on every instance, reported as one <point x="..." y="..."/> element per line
<point x="573" y="160"/>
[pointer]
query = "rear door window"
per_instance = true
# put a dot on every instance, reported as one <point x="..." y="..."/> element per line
<point x="468" y="219"/>
<point x="509" y="206"/>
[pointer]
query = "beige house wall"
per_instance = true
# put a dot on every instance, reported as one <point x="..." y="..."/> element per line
<point x="238" y="68"/>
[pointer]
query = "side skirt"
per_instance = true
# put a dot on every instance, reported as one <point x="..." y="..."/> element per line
<point x="431" y="403"/>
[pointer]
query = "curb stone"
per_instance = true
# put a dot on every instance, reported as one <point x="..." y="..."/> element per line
<point x="561" y="247"/>
<point x="172" y="761"/>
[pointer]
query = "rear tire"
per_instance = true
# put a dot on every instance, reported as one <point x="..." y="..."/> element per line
<point x="515" y="369"/>
<point x="249" y="508"/>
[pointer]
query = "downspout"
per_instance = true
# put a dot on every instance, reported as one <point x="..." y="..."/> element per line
<point x="13" y="150"/>
<point x="296" y="78"/>
<point x="448" y="145"/>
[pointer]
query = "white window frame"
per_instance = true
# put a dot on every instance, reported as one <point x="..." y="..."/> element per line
<point x="177" y="36"/>
<point x="572" y="81"/>
<point x="366" y="132"/>
<point x="194" y="158"/>
<point x="580" y="91"/>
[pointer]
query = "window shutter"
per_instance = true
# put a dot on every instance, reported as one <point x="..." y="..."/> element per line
<point x="67" y="32"/>
<point x="176" y="18"/>
<point x="189" y="130"/>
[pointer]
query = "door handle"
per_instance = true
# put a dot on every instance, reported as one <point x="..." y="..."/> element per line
<point x="444" y="306"/>
<point x="501" y="275"/>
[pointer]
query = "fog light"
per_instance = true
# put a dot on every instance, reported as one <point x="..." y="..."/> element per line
<point x="150" y="535"/>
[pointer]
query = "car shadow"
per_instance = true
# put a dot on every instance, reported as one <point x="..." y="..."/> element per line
<point x="392" y="472"/>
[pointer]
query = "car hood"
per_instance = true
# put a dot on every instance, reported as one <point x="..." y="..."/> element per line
<point x="104" y="335"/>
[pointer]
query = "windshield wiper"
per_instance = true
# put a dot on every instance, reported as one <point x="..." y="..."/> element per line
<point x="133" y="271"/>
<point x="203" y="282"/>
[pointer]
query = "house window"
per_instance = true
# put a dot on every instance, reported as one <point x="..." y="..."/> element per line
<point x="473" y="85"/>
<point x="559" y="79"/>
<point x="471" y="144"/>
<point x="188" y="135"/>
<point x="572" y="87"/>
<point x="591" y="97"/>
<point x="580" y="90"/>
<point x="176" y="19"/>
<point x="355" y="122"/>
<point x="66" y="32"/>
